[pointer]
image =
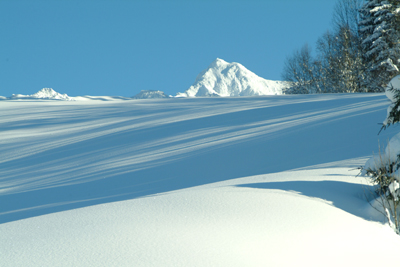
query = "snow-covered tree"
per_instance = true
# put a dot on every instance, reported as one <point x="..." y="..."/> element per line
<point x="384" y="168"/>
<point x="380" y="35"/>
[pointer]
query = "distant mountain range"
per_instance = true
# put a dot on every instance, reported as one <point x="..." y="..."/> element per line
<point x="50" y="94"/>
<point x="220" y="79"/>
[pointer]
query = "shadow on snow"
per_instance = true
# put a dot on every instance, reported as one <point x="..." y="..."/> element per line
<point x="75" y="155"/>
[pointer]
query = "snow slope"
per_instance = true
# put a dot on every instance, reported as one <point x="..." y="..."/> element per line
<point x="252" y="181"/>
<point x="231" y="79"/>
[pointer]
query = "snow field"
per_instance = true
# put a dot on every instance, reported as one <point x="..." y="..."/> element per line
<point x="222" y="224"/>
<point x="252" y="181"/>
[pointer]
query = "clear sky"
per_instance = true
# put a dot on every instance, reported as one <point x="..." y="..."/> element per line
<point x="119" y="47"/>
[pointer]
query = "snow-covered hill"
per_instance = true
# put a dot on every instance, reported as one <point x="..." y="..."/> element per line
<point x="255" y="181"/>
<point x="45" y="93"/>
<point x="231" y="79"/>
<point x="145" y="94"/>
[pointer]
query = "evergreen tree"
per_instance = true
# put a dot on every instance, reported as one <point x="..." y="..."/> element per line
<point x="380" y="35"/>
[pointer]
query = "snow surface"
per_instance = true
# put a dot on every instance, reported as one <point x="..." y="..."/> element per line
<point x="231" y="79"/>
<point x="101" y="98"/>
<point x="252" y="181"/>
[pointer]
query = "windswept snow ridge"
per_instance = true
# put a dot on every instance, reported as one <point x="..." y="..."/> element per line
<point x="231" y="79"/>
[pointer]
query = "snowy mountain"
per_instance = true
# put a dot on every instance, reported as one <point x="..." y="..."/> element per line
<point x="231" y="79"/>
<point x="45" y="93"/>
<point x="144" y="94"/>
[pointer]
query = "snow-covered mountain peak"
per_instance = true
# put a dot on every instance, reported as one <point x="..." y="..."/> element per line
<point x="49" y="93"/>
<point x="218" y="63"/>
<point x="45" y="93"/>
<point x="144" y="94"/>
<point x="231" y="79"/>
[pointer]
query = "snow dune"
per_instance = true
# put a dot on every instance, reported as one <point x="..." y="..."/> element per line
<point x="251" y="181"/>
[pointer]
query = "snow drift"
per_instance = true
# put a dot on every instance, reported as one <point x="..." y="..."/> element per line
<point x="231" y="79"/>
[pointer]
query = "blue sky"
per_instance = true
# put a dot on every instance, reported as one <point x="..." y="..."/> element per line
<point x="121" y="47"/>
